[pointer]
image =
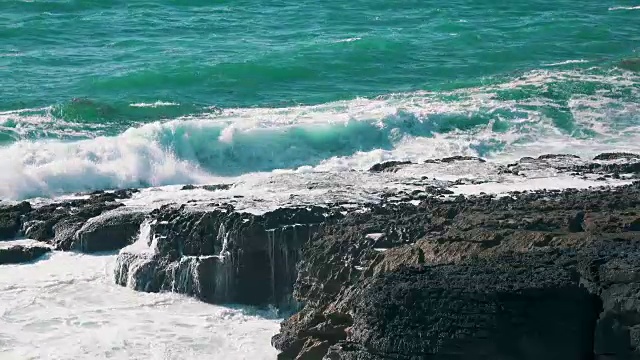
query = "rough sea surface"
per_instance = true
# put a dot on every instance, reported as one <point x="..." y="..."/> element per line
<point x="116" y="94"/>
<point x="279" y="97"/>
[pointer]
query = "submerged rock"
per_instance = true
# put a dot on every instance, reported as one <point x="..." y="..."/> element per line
<point x="17" y="254"/>
<point x="454" y="159"/>
<point x="389" y="166"/>
<point x="630" y="64"/>
<point x="616" y="156"/>
<point x="217" y="187"/>
<point x="558" y="156"/>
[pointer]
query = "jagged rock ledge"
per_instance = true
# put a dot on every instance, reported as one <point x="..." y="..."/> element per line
<point x="91" y="223"/>
<point x="219" y="255"/>
<point x="17" y="254"/>
<point x="536" y="275"/>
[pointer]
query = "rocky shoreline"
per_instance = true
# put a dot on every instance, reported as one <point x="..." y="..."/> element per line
<point x="418" y="273"/>
<point x="543" y="275"/>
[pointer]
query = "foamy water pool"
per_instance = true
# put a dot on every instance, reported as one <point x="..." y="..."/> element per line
<point x="66" y="306"/>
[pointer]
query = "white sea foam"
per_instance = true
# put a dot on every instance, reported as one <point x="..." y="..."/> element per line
<point x="567" y="62"/>
<point x="67" y="307"/>
<point x="154" y="104"/>
<point x="624" y="8"/>
<point x="334" y="136"/>
<point x="144" y="244"/>
<point x="348" y="40"/>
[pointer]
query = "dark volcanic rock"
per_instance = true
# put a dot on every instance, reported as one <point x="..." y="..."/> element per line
<point x="65" y="232"/>
<point x="539" y="275"/>
<point x="58" y="223"/>
<point x="216" y="187"/>
<point x="577" y="167"/>
<point x="388" y="166"/>
<point x="11" y="219"/>
<point x="74" y="224"/>
<point x="616" y="156"/>
<point x="511" y="308"/>
<point x="219" y="255"/>
<point x="455" y="158"/>
<point x="60" y="226"/>
<point x="558" y="156"/>
<point x="22" y="253"/>
<point x="109" y="231"/>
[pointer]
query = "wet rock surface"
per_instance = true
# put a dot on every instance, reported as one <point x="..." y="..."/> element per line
<point x="222" y="256"/>
<point x="535" y="275"/>
<point x="84" y="224"/>
<point x="388" y="166"/>
<point x="454" y="159"/>
<point x="109" y="231"/>
<point x="10" y="219"/>
<point x="17" y="254"/>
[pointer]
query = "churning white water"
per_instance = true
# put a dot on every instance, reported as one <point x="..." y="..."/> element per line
<point x="66" y="306"/>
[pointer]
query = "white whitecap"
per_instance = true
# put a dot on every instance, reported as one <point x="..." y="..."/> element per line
<point x="348" y="40"/>
<point x="154" y="104"/>
<point x="624" y="8"/>
<point x="567" y="62"/>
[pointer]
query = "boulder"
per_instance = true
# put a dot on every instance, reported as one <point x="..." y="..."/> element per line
<point x="58" y="223"/>
<point x="11" y="219"/>
<point x="388" y="166"/>
<point x="451" y="159"/>
<point x="17" y="254"/>
<point x="616" y="156"/>
<point x="107" y="232"/>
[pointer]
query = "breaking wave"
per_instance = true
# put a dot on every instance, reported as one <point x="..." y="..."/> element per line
<point x="565" y="111"/>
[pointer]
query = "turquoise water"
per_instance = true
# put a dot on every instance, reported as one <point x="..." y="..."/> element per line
<point x="151" y="82"/>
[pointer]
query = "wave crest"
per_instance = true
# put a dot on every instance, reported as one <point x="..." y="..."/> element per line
<point x="497" y="119"/>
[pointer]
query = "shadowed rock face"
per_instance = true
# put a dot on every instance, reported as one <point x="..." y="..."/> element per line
<point x="107" y="232"/>
<point x="222" y="256"/>
<point x="616" y="156"/>
<point x="507" y="308"/>
<point x="388" y="166"/>
<point x="10" y="219"/>
<point x="454" y="159"/>
<point x="540" y="275"/>
<point x="86" y="225"/>
<point x="22" y="253"/>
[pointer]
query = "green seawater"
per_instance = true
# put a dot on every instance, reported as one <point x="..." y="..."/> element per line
<point x="75" y="70"/>
<point x="280" y="53"/>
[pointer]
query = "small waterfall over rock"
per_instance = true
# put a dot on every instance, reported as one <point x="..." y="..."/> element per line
<point x="136" y="263"/>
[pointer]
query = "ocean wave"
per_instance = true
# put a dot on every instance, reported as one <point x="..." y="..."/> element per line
<point x="83" y="118"/>
<point x="504" y="119"/>
<point x="154" y="104"/>
<point x="348" y="40"/>
<point x="624" y="8"/>
<point x="567" y="62"/>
